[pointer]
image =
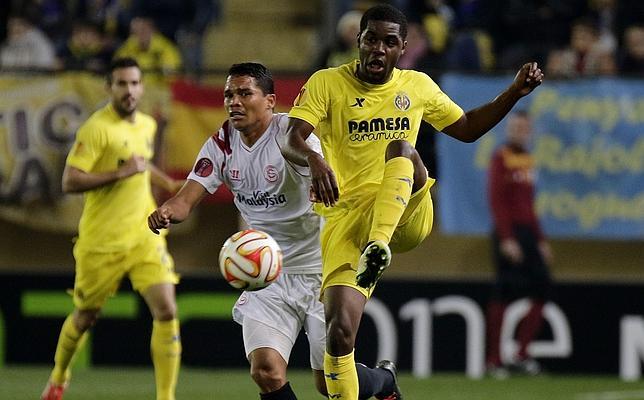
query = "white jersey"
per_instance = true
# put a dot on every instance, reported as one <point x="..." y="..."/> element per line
<point x="271" y="194"/>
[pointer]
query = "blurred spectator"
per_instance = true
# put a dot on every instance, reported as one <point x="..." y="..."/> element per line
<point x="584" y="56"/>
<point x="112" y="17"/>
<point x="436" y="19"/>
<point x="85" y="49"/>
<point x="155" y="53"/>
<point x="344" y="49"/>
<point x="52" y="17"/>
<point x="191" y="34"/>
<point x="632" y="58"/>
<point x="472" y="46"/>
<point x="472" y="50"/>
<point x="605" y="13"/>
<point x="184" y="22"/>
<point x="417" y="48"/>
<point x="26" y="46"/>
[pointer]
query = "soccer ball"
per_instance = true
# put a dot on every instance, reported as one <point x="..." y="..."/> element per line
<point x="250" y="260"/>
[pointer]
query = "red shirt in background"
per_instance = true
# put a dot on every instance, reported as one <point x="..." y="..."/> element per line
<point x="511" y="191"/>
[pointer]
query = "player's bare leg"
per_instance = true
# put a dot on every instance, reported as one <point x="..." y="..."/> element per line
<point x="268" y="370"/>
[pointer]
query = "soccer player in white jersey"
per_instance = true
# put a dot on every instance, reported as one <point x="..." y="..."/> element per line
<point x="273" y="196"/>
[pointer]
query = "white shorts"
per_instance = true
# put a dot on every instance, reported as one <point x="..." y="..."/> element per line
<point x="286" y="306"/>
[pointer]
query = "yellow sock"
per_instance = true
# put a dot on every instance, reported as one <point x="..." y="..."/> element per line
<point x="69" y="341"/>
<point x="341" y="377"/>
<point x="392" y="198"/>
<point x="165" y="346"/>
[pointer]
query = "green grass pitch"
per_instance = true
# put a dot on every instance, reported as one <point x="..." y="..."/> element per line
<point x="26" y="383"/>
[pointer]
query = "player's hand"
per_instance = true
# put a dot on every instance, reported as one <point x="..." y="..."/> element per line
<point x="323" y="184"/>
<point x="159" y="219"/>
<point x="511" y="250"/>
<point x="528" y="78"/>
<point x="132" y="166"/>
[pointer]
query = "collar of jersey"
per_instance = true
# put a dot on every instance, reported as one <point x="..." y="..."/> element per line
<point x="261" y="139"/>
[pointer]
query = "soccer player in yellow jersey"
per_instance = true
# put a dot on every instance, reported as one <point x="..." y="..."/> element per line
<point x="110" y="163"/>
<point x="372" y="185"/>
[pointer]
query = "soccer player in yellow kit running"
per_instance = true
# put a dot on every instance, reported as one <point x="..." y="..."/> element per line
<point x="109" y="163"/>
<point x="372" y="185"/>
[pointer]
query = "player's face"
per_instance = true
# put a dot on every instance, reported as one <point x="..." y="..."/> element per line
<point x="380" y="46"/>
<point x="126" y="90"/>
<point x="519" y="129"/>
<point x="247" y="106"/>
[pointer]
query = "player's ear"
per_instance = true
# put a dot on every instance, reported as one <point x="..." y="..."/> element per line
<point x="403" y="48"/>
<point x="271" y="100"/>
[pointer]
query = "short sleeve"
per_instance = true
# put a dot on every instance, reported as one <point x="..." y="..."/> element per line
<point x="440" y="111"/>
<point x="87" y="148"/>
<point x="208" y="168"/>
<point x="312" y="103"/>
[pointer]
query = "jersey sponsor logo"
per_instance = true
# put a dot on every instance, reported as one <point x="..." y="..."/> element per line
<point x="359" y="102"/>
<point x="203" y="167"/>
<point x="262" y="199"/>
<point x="271" y="174"/>
<point x="379" y="128"/>
<point x="402" y="101"/>
<point x="234" y="175"/>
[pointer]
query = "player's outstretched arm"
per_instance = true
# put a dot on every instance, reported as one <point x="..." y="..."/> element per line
<point x="163" y="180"/>
<point x="177" y="208"/>
<point x="475" y="123"/>
<point x="295" y="149"/>
<point x="77" y="181"/>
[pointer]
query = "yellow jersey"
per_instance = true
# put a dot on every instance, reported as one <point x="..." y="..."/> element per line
<point x="355" y="121"/>
<point x="115" y="215"/>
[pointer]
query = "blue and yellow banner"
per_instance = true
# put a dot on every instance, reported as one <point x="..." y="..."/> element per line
<point x="588" y="143"/>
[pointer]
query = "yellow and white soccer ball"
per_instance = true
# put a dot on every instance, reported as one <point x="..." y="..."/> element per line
<point x="250" y="260"/>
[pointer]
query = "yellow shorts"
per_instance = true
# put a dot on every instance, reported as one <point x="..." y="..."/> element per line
<point x="99" y="275"/>
<point x="344" y="236"/>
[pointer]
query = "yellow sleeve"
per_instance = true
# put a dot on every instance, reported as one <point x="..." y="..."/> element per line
<point x="312" y="104"/>
<point x="87" y="149"/>
<point x="440" y="111"/>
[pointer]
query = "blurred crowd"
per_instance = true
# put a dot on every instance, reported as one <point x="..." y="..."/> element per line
<point x="164" y="36"/>
<point x="569" y="37"/>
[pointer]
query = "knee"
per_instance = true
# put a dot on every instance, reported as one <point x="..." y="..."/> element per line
<point x="85" y="319"/>
<point x="399" y="148"/>
<point x="267" y="378"/>
<point x="166" y="311"/>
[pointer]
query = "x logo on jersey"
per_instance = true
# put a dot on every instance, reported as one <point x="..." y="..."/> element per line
<point x="358" y="103"/>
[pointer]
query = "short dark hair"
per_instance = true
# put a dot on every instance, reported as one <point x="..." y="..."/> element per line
<point x="118" y="63"/>
<point x="262" y="75"/>
<point x="385" y="12"/>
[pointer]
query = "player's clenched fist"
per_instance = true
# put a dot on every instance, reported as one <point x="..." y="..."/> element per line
<point x="159" y="219"/>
